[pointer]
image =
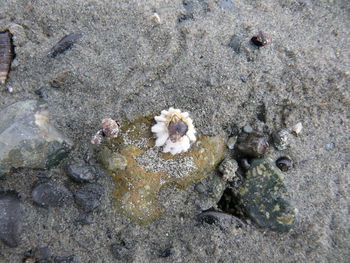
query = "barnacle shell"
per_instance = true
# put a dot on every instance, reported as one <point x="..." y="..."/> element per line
<point x="174" y="130"/>
<point x="6" y="55"/>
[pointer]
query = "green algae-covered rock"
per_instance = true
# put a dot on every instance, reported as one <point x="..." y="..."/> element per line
<point x="264" y="198"/>
<point x="28" y="140"/>
<point x="148" y="169"/>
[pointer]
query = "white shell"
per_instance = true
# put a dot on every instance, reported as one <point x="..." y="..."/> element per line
<point x="160" y="129"/>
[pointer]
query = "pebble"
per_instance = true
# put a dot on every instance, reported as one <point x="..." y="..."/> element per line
<point x="223" y="220"/>
<point x="112" y="160"/>
<point x="89" y="197"/>
<point x="65" y="259"/>
<point x="83" y="173"/>
<point x="231" y="142"/>
<point x="64" y="44"/>
<point x="297" y="128"/>
<point x="166" y="252"/>
<point x="11" y="215"/>
<point x="122" y="251"/>
<point x="228" y="168"/>
<point x="51" y="194"/>
<point x="261" y="39"/>
<point x="40" y="254"/>
<point x="244" y="78"/>
<point x="27" y="138"/>
<point x="281" y="139"/>
<point x="253" y="145"/>
<point x="247" y="129"/>
<point x="263" y="197"/>
<point x="284" y="163"/>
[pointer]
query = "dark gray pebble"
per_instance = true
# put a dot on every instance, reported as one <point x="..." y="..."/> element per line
<point x="51" y="194"/>
<point x="64" y="44"/>
<point x="89" y="197"/>
<point x="284" y="163"/>
<point x="65" y="259"/>
<point x="42" y="254"/>
<point x="252" y="145"/>
<point x="11" y="215"/>
<point x="83" y="174"/>
<point x="223" y="220"/>
<point x="166" y="252"/>
<point x="122" y="250"/>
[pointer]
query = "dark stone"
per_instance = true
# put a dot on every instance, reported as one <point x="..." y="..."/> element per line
<point x="252" y="145"/>
<point x="51" y="194"/>
<point x="42" y="254"/>
<point x="223" y="220"/>
<point x="264" y="198"/>
<point x="89" y="197"/>
<point x="65" y="259"/>
<point x="281" y="139"/>
<point x="261" y="39"/>
<point x="11" y="215"/>
<point x="83" y="174"/>
<point x="122" y="250"/>
<point x="284" y="163"/>
<point x="64" y="44"/>
<point x="166" y="252"/>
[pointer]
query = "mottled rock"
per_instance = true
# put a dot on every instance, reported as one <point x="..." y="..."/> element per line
<point x="264" y="198"/>
<point x="281" y="139"/>
<point x="89" y="197"/>
<point x="228" y="168"/>
<point x="231" y="142"/>
<point x="51" y="194"/>
<point x="83" y="173"/>
<point x="223" y="220"/>
<point x="147" y="169"/>
<point x="11" y="214"/>
<point x="252" y="145"/>
<point x="27" y="139"/>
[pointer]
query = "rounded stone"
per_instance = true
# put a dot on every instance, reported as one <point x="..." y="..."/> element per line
<point x="252" y="145"/>
<point x="51" y="194"/>
<point x="83" y="174"/>
<point x="281" y="139"/>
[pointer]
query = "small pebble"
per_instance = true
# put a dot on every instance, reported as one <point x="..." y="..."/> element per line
<point x="284" y="163"/>
<point x="89" y="197"/>
<point x="244" y="78"/>
<point x="64" y="44"/>
<point x="247" y="129"/>
<point x="11" y="215"/>
<point x="223" y="220"/>
<point x="51" y="194"/>
<point x="83" y="174"/>
<point x="253" y="145"/>
<point x="245" y="164"/>
<point x="261" y="39"/>
<point x="228" y="168"/>
<point x="297" y="128"/>
<point x="65" y="259"/>
<point x="281" y="139"/>
<point x="166" y="253"/>
<point x="231" y="142"/>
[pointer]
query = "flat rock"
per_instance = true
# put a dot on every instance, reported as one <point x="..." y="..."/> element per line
<point x="264" y="198"/>
<point x="51" y="194"/>
<point x="11" y="215"/>
<point x="27" y="139"/>
<point x="83" y="173"/>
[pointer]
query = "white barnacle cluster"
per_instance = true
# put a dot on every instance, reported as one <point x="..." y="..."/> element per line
<point x="174" y="130"/>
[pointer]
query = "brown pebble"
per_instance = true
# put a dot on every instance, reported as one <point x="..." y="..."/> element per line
<point x="261" y="39"/>
<point x="253" y="145"/>
<point x="6" y="55"/>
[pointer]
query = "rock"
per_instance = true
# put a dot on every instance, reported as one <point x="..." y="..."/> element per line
<point x="147" y="169"/>
<point x="27" y="139"/>
<point x="83" y="173"/>
<point x="228" y="168"/>
<point x="122" y="251"/>
<point x="223" y="220"/>
<point x="51" y="194"/>
<point x="264" y="199"/>
<point x="42" y="254"/>
<point x="166" y="252"/>
<point x="11" y="215"/>
<point x="247" y="129"/>
<point x="252" y="145"/>
<point x="89" y="197"/>
<point x="284" y="163"/>
<point x="231" y="142"/>
<point x="281" y="139"/>
<point x="65" y="259"/>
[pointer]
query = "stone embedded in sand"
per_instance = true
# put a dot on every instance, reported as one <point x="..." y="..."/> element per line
<point x="27" y="139"/>
<point x="148" y="169"/>
<point x="264" y="199"/>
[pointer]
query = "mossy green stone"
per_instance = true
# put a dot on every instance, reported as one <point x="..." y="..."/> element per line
<point x="264" y="198"/>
